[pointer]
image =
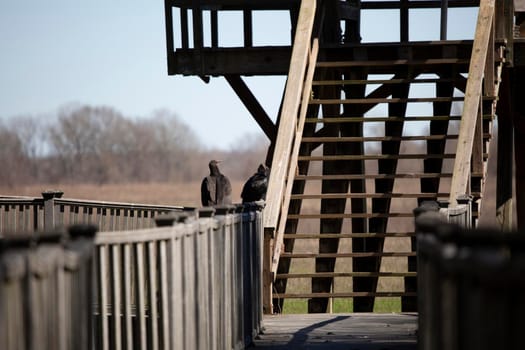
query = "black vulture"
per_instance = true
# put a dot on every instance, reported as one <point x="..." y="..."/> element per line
<point x="215" y="188"/>
<point x="255" y="188"/>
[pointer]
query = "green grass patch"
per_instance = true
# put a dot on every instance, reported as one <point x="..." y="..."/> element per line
<point x="295" y="306"/>
<point x="342" y="305"/>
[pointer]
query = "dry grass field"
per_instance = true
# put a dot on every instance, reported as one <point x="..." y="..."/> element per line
<point x="184" y="194"/>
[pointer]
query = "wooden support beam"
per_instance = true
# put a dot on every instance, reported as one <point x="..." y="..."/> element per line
<point x="467" y="128"/>
<point x="183" y="29"/>
<point x="288" y="119"/>
<point x="253" y="106"/>
<point x="214" y="24"/>
<point x="505" y="156"/>
<point x="248" y="28"/>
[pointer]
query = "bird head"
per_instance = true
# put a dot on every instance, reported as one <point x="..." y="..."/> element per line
<point x="263" y="169"/>
<point x="214" y="166"/>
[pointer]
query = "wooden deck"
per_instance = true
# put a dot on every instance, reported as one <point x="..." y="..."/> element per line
<point x="339" y="331"/>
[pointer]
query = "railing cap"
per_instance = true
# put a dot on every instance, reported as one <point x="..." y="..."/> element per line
<point x="9" y="241"/>
<point x="50" y="194"/>
<point x="464" y="199"/>
<point x="254" y="206"/>
<point x="426" y="206"/>
<point x="169" y="219"/>
<point x="206" y="212"/>
<point x="224" y="209"/>
<point x="82" y="230"/>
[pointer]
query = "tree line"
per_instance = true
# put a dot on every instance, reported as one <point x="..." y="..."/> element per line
<point x="98" y="144"/>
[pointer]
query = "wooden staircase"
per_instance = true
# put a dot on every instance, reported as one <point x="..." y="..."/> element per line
<point x="379" y="138"/>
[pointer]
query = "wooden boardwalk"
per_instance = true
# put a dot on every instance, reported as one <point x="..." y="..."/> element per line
<point x="339" y="331"/>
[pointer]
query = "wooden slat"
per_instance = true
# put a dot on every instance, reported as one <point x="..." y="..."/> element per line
<point x="140" y="293"/>
<point x="127" y="297"/>
<point x="103" y="296"/>
<point x="164" y="296"/>
<point x="345" y="274"/>
<point x="378" y="119"/>
<point x="378" y="138"/>
<point x="374" y="176"/>
<point x="380" y="81"/>
<point x="346" y="295"/>
<point x="390" y="63"/>
<point x="367" y="195"/>
<point x="347" y="235"/>
<point x="377" y="156"/>
<point x="348" y="255"/>
<point x="383" y="119"/>
<point x="115" y="262"/>
<point x="350" y="215"/>
<point x="385" y="100"/>
<point x="153" y="294"/>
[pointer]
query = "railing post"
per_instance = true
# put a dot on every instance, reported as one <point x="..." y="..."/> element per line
<point x="49" y="208"/>
<point x="267" y="271"/>
<point x="78" y="275"/>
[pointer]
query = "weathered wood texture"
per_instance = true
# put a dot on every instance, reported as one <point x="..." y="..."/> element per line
<point x="473" y="93"/>
<point x="27" y="214"/>
<point x="289" y="114"/>
<point x="45" y="290"/>
<point x="470" y="282"/>
<point x="193" y="284"/>
<point x="339" y="331"/>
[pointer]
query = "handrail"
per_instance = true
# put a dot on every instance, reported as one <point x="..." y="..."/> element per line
<point x="307" y="89"/>
<point x="31" y="214"/>
<point x="289" y="113"/>
<point x="467" y="128"/>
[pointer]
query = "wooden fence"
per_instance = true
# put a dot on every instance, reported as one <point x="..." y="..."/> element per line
<point x="45" y="284"/>
<point x="470" y="286"/>
<point x="33" y="214"/>
<point x="194" y="282"/>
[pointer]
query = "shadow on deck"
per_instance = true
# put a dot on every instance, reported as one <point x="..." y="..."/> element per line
<point x="339" y="331"/>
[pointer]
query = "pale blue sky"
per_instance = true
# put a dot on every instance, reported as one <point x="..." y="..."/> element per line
<point x="113" y="53"/>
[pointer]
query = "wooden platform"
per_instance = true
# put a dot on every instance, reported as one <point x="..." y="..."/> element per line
<point x="339" y="331"/>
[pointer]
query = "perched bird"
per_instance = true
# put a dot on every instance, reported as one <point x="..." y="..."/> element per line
<point x="255" y="188"/>
<point x="215" y="188"/>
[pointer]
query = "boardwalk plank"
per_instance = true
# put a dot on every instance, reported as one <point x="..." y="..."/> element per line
<point x="364" y="331"/>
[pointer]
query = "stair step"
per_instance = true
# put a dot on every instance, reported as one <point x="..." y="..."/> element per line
<point x="344" y="274"/>
<point x="377" y="157"/>
<point x="378" y="138"/>
<point x="384" y="100"/>
<point x="374" y="176"/>
<point x="327" y="139"/>
<point x="338" y="119"/>
<point x="388" y="63"/>
<point x="350" y="215"/>
<point x="344" y="295"/>
<point x="367" y="195"/>
<point x="347" y="255"/>
<point x="347" y="235"/>
<point x="382" y="81"/>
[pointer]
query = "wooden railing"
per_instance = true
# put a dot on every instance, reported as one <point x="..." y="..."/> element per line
<point x="31" y="214"/>
<point x="470" y="284"/>
<point x="470" y="125"/>
<point x="45" y="290"/>
<point x="297" y="93"/>
<point x="193" y="284"/>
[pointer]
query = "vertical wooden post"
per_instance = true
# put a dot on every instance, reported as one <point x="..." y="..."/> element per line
<point x="267" y="275"/>
<point x="49" y="208"/>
